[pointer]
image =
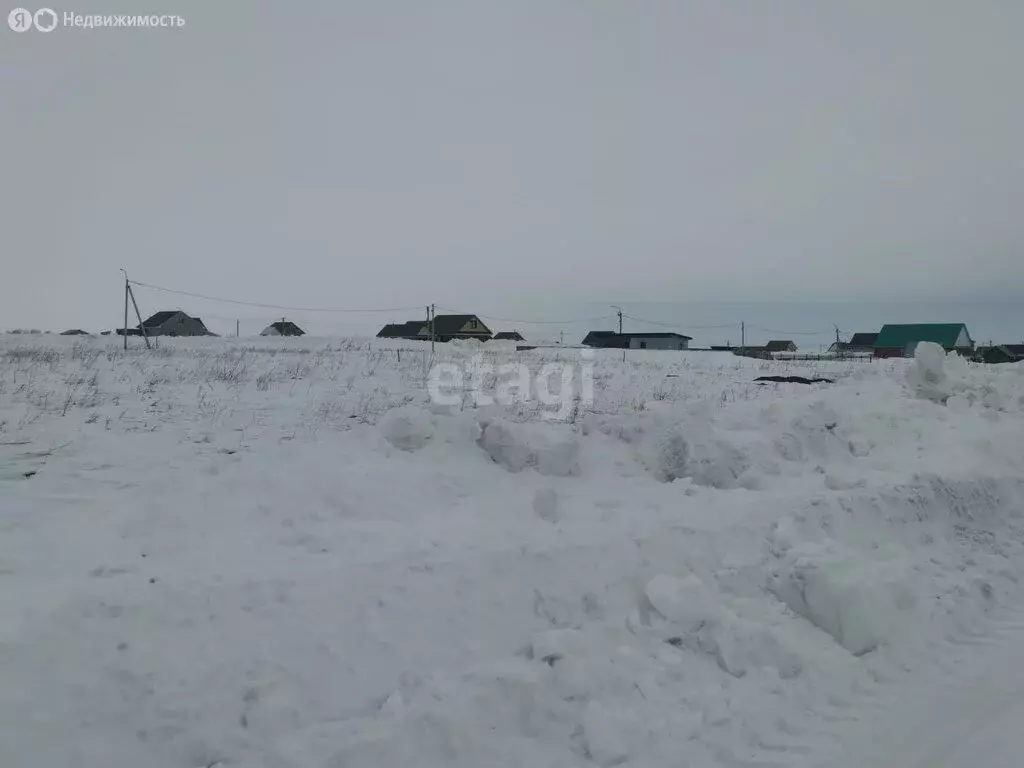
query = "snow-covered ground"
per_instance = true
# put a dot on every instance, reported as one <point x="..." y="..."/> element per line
<point x="278" y="553"/>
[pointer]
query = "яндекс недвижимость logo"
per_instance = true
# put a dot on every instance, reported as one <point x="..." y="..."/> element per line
<point x="47" y="20"/>
<point x="22" y="20"/>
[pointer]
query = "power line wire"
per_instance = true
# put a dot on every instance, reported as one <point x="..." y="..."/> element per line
<point x="790" y="333"/>
<point x="526" y="322"/>
<point x="270" y="306"/>
<point x="680" y="325"/>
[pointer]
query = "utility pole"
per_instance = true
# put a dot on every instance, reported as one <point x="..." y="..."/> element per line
<point x="561" y="338"/>
<point x="743" y="336"/>
<point x="433" y="328"/>
<point x="237" y="328"/>
<point x="125" y="330"/>
<point x="142" y="327"/>
<point x="619" y="312"/>
<point x="128" y="294"/>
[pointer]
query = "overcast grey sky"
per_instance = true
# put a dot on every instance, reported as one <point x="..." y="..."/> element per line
<point x="483" y="153"/>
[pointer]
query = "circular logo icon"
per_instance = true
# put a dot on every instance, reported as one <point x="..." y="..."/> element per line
<point x="20" y="20"/>
<point x="45" y="20"/>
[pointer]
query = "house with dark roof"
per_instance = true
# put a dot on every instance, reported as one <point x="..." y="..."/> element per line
<point x="859" y="344"/>
<point x="169" y="323"/>
<point x="780" y="345"/>
<point x="508" y="336"/>
<point x="613" y="340"/>
<point x="409" y="330"/>
<point x="863" y="342"/>
<point x="75" y="332"/>
<point x="606" y="340"/>
<point x="659" y="341"/>
<point x="283" y="328"/>
<point x="448" y="327"/>
<point x="441" y="328"/>
<point x="1000" y="353"/>
<point x="902" y="340"/>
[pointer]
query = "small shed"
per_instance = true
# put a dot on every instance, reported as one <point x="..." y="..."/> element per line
<point x="508" y="336"/>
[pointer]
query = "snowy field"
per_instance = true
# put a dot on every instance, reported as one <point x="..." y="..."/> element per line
<point x="281" y="554"/>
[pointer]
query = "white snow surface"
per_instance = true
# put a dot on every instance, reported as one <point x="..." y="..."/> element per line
<point x="277" y="553"/>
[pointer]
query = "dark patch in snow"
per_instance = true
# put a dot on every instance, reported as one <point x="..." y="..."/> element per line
<point x="794" y="380"/>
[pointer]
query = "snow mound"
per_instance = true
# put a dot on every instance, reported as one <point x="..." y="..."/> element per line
<point x="679" y="445"/>
<point x="686" y="602"/>
<point x="407" y="428"/>
<point x="696" y="619"/>
<point x="495" y="715"/>
<point x="858" y="602"/>
<point x="718" y="463"/>
<point x="672" y="453"/>
<point x="611" y="734"/>
<point x="927" y="376"/>
<point x="545" y="504"/>
<point x="541" y="447"/>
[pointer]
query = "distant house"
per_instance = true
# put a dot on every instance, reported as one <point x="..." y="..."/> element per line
<point x="1000" y="353"/>
<point x="780" y="345"/>
<point x="448" y="327"/>
<point x="283" y="328"/>
<point x="859" y="343"/>
<point x="659" y="341"/>
<point x="409" y="330"/>
<point x="863" y="342"/>
<point x="606" y="340"/>
<point x="169" y="323"/>
<point x="75" y="332"/>
<point x="441" y="328"/>
<point x="902" y="340"/>
<point x="613" y="340"/>
<point x="508" y="336"/>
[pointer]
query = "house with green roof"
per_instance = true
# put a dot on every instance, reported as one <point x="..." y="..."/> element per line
<point x="902" y="340"/>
